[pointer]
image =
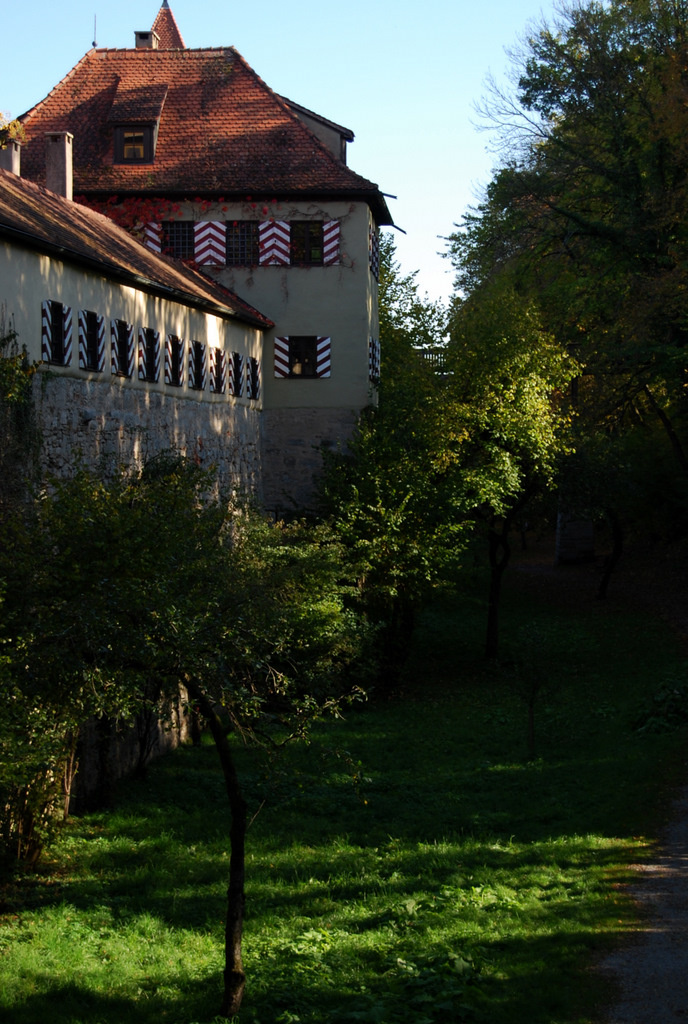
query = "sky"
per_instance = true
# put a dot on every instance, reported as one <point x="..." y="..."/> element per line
<point x="404" y="77"/>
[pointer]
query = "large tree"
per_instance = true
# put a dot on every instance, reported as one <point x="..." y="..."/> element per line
<point x="588" y="213"/>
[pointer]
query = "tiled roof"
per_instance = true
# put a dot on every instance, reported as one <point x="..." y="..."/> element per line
<point x="222" y="131"/>
<point x="166" y="28"/>
<point x="38" y="219"/>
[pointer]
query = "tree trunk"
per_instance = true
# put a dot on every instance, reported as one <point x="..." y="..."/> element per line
<point x="234" y="977"/>
<point x="499" y="558"/>
<point x="611" y="560"/>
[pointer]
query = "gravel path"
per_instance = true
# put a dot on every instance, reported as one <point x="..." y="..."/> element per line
<point x="652" y="972"/>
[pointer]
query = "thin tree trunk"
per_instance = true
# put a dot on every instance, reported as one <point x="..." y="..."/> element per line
<point x="669" y="428"/>
<point x="234" y="976"/>
<point x="500" y="552"/>
<point x="615" y="554"/>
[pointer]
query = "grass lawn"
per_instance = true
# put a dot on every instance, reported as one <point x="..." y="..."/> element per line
<point x="412" y="864"/>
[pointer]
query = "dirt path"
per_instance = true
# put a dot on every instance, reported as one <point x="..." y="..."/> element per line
<point x="652" y="972"/>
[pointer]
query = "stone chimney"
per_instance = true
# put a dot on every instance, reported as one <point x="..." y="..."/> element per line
<point x="147" y="40"/>
<point x="58" y="163"/>
<point x="10" y="156"/>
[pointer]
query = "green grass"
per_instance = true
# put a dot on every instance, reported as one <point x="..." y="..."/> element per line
<point x="411" y="866"/>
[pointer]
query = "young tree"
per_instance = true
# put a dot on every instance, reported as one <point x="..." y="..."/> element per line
<point x="147" y="577"/>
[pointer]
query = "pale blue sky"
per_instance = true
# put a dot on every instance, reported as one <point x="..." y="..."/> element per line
<point x="403" y="76"/>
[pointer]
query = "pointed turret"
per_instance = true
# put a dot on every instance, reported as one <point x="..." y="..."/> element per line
<point x="167" y="30"/>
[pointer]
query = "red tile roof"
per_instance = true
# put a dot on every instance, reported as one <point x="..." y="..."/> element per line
<point x="222" y="131"/>
<point x="38" y="219"/>
<point x="166" y="28"/>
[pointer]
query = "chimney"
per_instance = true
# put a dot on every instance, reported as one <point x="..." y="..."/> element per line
<point x="147" y="40"/>
<point x="10" y="156"/>
<point x="58" y="163"/>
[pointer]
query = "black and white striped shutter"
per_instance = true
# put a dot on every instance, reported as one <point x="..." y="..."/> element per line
<point x="236" y="375"/>
<point x="83" y="342"/>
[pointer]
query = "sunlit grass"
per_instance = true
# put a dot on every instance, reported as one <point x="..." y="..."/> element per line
<point x="412" y="865"/>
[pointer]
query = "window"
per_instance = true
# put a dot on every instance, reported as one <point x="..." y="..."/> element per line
<point x="149" y="354"/>
<point x="92" y="334"/>
<point x="303" y="356"/>
<point x="178" y="239"/>
<point x="91" y="341"/>
<point x="134" y="144"/>
<point x="122" y="344"/>
<point x="197" y="366"/>
<point x="307" y="242"/>
<point x="57" y="333"/>
<point x="174" y="361"/>
<point x="243" y="249"/>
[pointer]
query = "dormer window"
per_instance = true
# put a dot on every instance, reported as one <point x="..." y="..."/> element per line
<point x="134" y="144"/>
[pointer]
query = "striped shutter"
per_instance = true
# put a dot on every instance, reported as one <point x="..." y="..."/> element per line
<point x="83" y="343"/>
<point x="236" y="374"/>
<point x="274" y="240"/>
<point x="169" y="379"/>
<point x="114" y="348"/>
<point x="68" y="335"/>
<point x="281" y="357"/>
<point x="210" y="242"/>
<point x="323" y="352"/>
<point x="373" y="359"/>
<point x="152" y="235"/>
<point x="130" y="351"/>
<point x="374" y="251"/>
<point x="199" y="384"/>
<point x="46" y="332"/>
<point x="331" y="243"/>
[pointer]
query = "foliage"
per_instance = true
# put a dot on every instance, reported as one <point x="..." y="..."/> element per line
<point x="18" y="428"/>
<point x="587" y="214"/>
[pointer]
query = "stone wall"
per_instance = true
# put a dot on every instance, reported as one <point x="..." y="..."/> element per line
<point x="105" y="425"/>
<point x="293" y="440"/>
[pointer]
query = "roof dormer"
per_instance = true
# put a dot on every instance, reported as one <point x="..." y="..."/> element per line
<point x="135" y="117"/>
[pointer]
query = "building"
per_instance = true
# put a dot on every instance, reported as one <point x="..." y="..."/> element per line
<point x="138" y="353"/>
<point x="192" y="151"/>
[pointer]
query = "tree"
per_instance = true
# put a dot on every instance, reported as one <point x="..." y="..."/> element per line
<point x="147" y="577"/>
<point x="589" y="212"/>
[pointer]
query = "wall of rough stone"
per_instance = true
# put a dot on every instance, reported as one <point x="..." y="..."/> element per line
<point x="108" y="424"/>
<point x="292" y="443"/>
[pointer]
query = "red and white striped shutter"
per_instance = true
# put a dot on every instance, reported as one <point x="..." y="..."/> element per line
<point x="152" y="235"/>
<point x="373" y="359"/>
<point x="46" y="332"/>
<point x="323" y="350"/>
<point x="114" y="348"/>
<point x="274" y="239"/>
<point x="68" y="334"/>
<point x="142" y="353"/>
<point x="281" y="357"/>
<point x="374" y="251"/>
<point x="83" y="354"/>
<point x="331" y="243"/>
<point x="131" y="352"/>
<point x="210" y="242"/>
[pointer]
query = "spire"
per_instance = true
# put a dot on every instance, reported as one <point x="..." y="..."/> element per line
<point x="167" y="30"/>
